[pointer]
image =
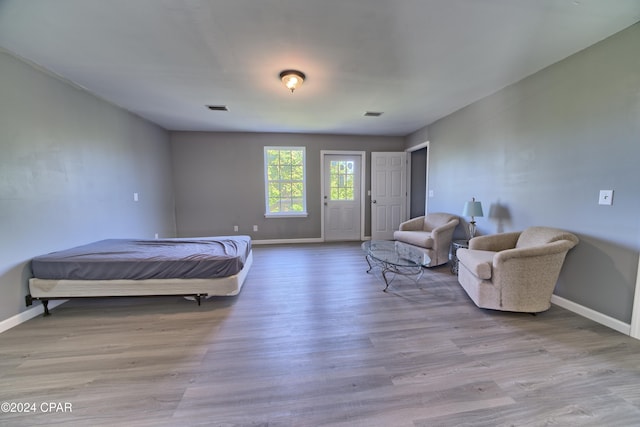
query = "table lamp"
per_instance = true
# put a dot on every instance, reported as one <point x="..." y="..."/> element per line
<point x="472" y="209"/>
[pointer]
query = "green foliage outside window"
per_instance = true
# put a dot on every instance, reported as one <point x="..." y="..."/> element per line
<point x="285" y="180"/>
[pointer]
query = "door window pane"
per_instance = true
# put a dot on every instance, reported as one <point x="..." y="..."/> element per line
<point x="342" y="180"/>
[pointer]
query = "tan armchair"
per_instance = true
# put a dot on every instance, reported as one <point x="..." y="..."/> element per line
<point x="514" y="271"/>
<point x="431" y="233"/>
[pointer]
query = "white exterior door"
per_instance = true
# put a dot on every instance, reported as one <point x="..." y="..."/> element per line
<point x="342" y="197"/>
<point x="388" y="193"/>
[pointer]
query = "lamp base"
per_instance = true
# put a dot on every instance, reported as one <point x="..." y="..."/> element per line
<point x="472" y="229"/>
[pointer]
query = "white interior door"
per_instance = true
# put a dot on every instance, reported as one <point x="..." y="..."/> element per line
<point x="342" y="197"/>
<point x="388" y="193"/>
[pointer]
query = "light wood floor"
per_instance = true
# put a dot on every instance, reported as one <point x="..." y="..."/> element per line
<point x="313" y="341"/>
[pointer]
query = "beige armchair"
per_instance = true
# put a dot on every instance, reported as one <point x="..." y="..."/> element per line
<point x="431" y="233"/>
<point x="514" y="271"/>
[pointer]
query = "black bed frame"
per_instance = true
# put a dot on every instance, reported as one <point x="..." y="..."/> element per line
<point x="45" y="301"/>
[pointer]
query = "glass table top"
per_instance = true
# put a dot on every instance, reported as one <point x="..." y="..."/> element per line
<point x="395" y="253"/>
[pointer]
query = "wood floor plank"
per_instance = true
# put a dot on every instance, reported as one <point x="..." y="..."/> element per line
<point x="313" y="341"/>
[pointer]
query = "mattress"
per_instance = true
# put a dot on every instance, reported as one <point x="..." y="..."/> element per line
<point x="129" y="259"/>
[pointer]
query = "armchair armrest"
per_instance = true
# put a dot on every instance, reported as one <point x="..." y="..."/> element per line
<point x="443" y="234"/>
<point x="495" y="242"/>
<point x="444" y="228"/>
<point x="414" y="224"/>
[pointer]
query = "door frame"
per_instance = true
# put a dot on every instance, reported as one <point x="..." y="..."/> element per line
<point x="363" y="168"/>
<point x="426" y="186"/>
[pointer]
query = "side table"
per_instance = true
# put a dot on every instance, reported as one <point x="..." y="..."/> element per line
<point x="455" y="245"/>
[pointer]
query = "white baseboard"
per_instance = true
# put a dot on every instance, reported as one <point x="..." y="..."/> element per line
<point x="30" y="313"/>
<point x="294" y="241"/>
<point x="286" y="241"/>
<point x="603" y="319"/>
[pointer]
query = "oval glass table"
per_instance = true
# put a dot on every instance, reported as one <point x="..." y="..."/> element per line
<point x="395" y="258"/>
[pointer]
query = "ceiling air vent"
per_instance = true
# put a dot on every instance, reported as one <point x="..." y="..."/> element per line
<point x="217" y="107"/>
<point x="372" y="114"/>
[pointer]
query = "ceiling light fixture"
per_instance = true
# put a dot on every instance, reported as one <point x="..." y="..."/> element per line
<point x="292" y="79"/>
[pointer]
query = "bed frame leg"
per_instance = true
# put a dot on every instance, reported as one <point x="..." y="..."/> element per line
<point x="28" y="299"/>
<point x="199" y="299"/>
<point x="45" y="304"/>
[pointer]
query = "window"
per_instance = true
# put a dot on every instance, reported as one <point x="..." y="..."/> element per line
<point x="342" y="180"/>
<point x="284" y="173"/>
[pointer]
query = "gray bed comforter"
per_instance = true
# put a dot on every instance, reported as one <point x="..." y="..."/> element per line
<point x="189" y="258"/>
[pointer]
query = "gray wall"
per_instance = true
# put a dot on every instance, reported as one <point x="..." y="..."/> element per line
<point x="69" y="165"/>
<point x="542" y="149"/>
<point x="219" y="181"/>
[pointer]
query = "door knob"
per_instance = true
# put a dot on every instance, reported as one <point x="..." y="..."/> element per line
<point x="374" y="201"/>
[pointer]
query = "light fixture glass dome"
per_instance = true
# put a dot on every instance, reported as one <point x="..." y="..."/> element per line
<point x="292" y="79"/>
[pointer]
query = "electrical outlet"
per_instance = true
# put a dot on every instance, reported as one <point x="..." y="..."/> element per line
<point x="255" y="228"/>
<point x="156" y="236"/>
<point x="606" y="197"/>
<point x="235" y="228"/>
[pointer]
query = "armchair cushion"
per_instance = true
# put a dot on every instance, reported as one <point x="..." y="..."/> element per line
<point x="536" y="236"/>
<point x="414" y="224"/>
<point x="416" y="238"/>
<point x="495" y="242"/>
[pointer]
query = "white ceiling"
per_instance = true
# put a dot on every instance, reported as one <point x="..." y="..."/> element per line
<point x="414" y="60"/>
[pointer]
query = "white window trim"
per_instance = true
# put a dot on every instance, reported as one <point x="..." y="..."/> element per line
<point x="287" y="215"/>
<point x="304" y="212"/>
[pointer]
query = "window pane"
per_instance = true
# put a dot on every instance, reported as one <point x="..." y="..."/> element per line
<point x="285" y="191"/>
<point x="297" y="173"/>
<point x="285" y="172"/>
<point x="285" y="157"/>
<point x="297" y="157"/>
<point x="274" y="205"/>
<point x="273" y="157"/>
<point x="341" y="180"/>
<point x="273" y="172"/>
<point x="297" y="190"/>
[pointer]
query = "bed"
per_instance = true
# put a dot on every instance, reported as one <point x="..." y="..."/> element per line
<point x="193" y="267"/>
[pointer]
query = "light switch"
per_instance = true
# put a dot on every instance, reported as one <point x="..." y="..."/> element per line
<point x="135" y="197"/>
<point x="606" y="197"/>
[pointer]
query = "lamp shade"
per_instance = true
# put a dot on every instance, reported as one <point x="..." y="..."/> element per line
<point x="472" y="208"/>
